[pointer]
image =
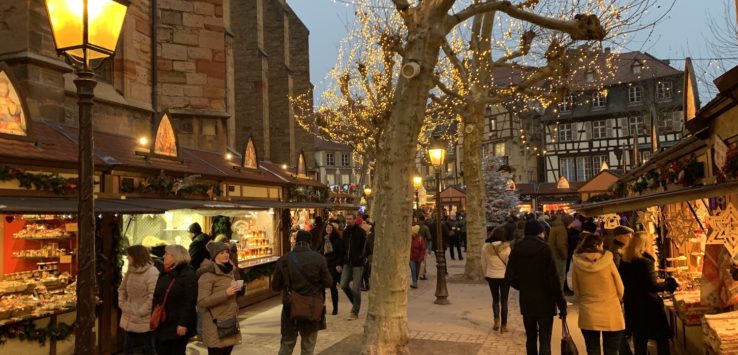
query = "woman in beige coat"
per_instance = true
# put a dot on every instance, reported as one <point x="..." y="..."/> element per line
<point x="217" y="296"/>
<point x="597" y="285"/>
<point x="135" y="294"/>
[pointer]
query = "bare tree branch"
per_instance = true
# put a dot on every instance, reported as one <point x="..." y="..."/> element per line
<point x="458" y="65"/>
<point x="446" y="90"/>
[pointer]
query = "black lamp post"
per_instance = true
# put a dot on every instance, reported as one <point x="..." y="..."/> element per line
<point x="83" y="31"/>
<point x="437" y="153"/>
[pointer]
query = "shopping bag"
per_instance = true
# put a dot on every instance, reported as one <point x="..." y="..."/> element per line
<point x="567" y="343"/>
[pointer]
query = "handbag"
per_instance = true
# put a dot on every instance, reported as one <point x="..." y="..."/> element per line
<point x="227" y="327"/>
<point x="160" y="313"/>
<point x="568" y="347"/>
<point x="309" y="307"/>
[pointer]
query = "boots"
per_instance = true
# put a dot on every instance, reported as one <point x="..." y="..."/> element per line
<point x="497" y="324"/>
<point x="503" y="329"/>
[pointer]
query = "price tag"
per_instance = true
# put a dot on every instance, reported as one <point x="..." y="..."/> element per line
<point x="65" y="259"/>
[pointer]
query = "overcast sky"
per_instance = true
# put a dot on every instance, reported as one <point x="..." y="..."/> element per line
<point x="682" y="32"/>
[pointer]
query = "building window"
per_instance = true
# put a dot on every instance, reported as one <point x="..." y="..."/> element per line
<point x="645" y="155"/>
<point x="670" y="121"/>
<point x="493" y="124"/>
<point x="599" y="101"/>
<point x="636" y="68"/>
<point x="597" y="161"/>
<point x="635" y="94"/>
<point x="345" y="179"/>
<point x="590" y="76"/>
<point x="599" y="129"/>
<point x="636" y="123"/>
<point x="344" y="159"/>
<point x="566" y="104"/>
<point x="330" y="159"/>
<point x="566" y="168"/>
<point x="565" y="132"/>
<point x="587" y="167"/>
<point x="663" y="91"/>
<point x="331" y="179"/>
<point x="500" y="149"/>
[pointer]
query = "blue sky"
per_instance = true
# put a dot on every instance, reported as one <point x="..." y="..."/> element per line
<point x="681" y="33"/>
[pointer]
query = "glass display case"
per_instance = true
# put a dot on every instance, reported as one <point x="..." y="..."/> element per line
<point x="255" y="234"/>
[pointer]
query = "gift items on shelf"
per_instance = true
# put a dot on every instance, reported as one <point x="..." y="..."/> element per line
<point x="253" y="242"/>
<point x="721" y="332"/>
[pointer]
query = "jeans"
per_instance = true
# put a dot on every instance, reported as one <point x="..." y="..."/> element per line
<point x="499" y="289"/>
<point x="172" y="347"/>
<point x="455" y="242"/>
<point x="349" y="274"/>
<point x="641" y="346"/>
<point x="560" y="269"/>
<point x="463" y="241"/>
<point x="289" y="337"/>
<point x="366" y="274"/>
<point x="414" y="270"/>
<point x="610" y="342"/>
<point x="334" y="288"/>
<point x="200" y="315"/>
<point x="430" y="246"/>
<point x="138" y="343"/>
<point x="220" y="351"/>
<point x="538" y="330"/>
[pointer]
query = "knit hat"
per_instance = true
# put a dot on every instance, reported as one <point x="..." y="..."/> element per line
<point x="620" y="230"/>
<point x="195" y="228"/>
<point x="215" y="248"/>
<point x="303" y="236"/>
<point x="533" y="227"/>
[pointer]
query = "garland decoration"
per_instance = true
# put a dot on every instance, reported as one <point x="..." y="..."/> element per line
<point x="168" y="185"/>
<point x="42" y="182"/>
<point x="257" y="272"/>
<point x="27" y="331"/>
<point x="299" y="193"/>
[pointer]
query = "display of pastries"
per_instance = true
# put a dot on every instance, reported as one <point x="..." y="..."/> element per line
<point x="41" y="231"/>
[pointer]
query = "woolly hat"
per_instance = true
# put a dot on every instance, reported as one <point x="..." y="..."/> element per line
<point x="303" y="236"/>
<point x="533" y="227"/>
<point x="215" y="248"/>
<point x="620" y="230"/>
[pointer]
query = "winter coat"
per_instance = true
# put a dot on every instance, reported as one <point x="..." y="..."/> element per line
<point x="198" y="251"/>
<point x="354" y="239"/>
<point x="180" y="307"/>
<point x="417" y="249"/>
<point x="316" y="237"/>
<point x="288" y="277"/>
<point x="135" y="295"/>
<point x="531" y="266"/>
<point x="616" y="248"/>
<point x="495" y="257"/>
<point x="558" y="240"/>
<point x="425" y="232"/>
<point x="337" y="257"/>
<point x="444" y="234"/>
<point x="212" y="298"/>
<point x="644" y="309"/>
<point x="597" y="284"/>
<point x="369" y="248"/>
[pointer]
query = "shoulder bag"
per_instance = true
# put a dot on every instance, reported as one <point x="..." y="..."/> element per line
<point x="309" y="307"/>
<point x="568" y="347"/>
<point x="498" y="255"/>
<point x="160" y="313"/>
<point x="226" y="328"/>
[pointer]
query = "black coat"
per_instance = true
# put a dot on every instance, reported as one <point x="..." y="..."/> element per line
<point x="644" y="309"/>
<point x="354" y="239"/>
<point x="444" y="234"/>
<point x="531" y="263"/>
<point x="181" y="302"/>
<point x="337" y="257"/>
<point x="316" y="237"/>
<point x="198" y="251"/>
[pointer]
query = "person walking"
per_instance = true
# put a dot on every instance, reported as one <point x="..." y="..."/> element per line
<point x="303" y="271"/>
<point x="558" y="241"/>
<point x="621" y="236"/>
<point x="316" y="232"/>
<point x="135" y="296"/>
<point x="334" y="252"/>
<point x="645" y="316"/>
<point x="417" y="255"/>
<point x="198" y="251"/>
<point x="495" y="257"/>
<point x="176" y="291"/>
<point x="454" y="236"/>
<point x="368" y="254"/>
<point x="597" y="285"/>
<point x="217" y="292"/>
<point x="573" y="228"/>
<point x="351" y="275"/>
<point x="531" y="270"/>
<point x="424" y="232"/>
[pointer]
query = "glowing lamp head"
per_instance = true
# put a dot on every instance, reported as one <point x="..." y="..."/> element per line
<point x="228" y="156"/>
<point x="143" y="141"/>
<point x="86" y="29"/>
<point x="437" y="153"/>
<point x="417" y="181"/>
<point x="367" y="191"/>
<point x="284" y="166"/>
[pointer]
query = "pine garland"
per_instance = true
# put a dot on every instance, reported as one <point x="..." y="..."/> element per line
<point x="27" y="331"/>
<point x="257" y="272"/>
<point x="42" y="182"/>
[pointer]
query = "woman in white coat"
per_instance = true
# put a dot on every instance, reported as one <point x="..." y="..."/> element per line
<point x="495" y="253"/>
<point x="135" y="294"/>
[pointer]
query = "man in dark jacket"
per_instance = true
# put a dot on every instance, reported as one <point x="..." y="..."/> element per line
<point x="354" y="238"/>
<point x="288" y="276"/>
<point x="198" y="250"/>
<point x="531" y="270"/>
<point x="316" y="232"/>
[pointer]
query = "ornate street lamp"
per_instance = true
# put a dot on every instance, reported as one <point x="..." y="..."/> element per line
<point x="436" y="154"/>
<point x="85" y="30"/>
<point x="417" y="183"/>
<point x="368" y="194"/>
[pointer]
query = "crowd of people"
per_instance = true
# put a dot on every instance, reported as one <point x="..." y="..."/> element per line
<point x="612" y="276"/>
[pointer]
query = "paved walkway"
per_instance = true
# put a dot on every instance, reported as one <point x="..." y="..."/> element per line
<point x="463" y="327"/>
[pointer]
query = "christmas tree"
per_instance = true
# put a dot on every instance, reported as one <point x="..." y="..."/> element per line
<point x="502" y="199"/>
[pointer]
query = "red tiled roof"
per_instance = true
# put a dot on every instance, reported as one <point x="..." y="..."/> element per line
<point x="53" y="146"/>
<point x="226" y="168"/>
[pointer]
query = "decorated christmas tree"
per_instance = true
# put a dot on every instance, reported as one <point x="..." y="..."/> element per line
<point x="502" y="199"/>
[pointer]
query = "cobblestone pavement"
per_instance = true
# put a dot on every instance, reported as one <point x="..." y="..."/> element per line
<point x="466" y="321"/>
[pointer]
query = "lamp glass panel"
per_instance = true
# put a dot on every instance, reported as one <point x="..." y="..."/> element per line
<point x="65" y="17"/>
<point x="417" y="181"/>
<point x="436" y="156"/>
<point x="106" y="20"/>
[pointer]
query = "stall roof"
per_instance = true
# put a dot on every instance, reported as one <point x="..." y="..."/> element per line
<point x="284" y="204"/>
<point x="286" y="176"/>
<point x="168" y="204"/>
<point x="656" y="199"/>
<point x="46" y="144"/>
<point x="69" y="205"/>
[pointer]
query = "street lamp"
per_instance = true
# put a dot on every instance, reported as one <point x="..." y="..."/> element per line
<point x="367" y="194"/>
<point x="417" y="183"/>
<point x="437" y="153"/>
<point x="85" y="30"/>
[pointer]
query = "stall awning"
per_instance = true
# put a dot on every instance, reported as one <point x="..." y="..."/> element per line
<point x="167" y="204"/>
<point x="283" y="204"/>
<point x="69" y="205"/>
<point x="657" y="199"/>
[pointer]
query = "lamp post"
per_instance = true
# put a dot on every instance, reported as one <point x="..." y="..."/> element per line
<point x="367" y="194"/>
<point x="437" y="153"/>
<point x="417" y="183"/>
<point x="85" y="30"/>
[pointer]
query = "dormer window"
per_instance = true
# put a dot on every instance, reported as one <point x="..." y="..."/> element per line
<point x="566" y="104"/>
<point x="636" y="68"/>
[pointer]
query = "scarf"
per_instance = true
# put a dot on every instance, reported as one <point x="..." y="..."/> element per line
<point x="227" y="268"/>
<point x="327" y="246"/>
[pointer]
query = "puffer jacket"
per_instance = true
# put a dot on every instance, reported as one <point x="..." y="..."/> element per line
<point x="597" y="284"/>
<point x="135" y="295"/>
<point x="494" y="259"/>
<point x="558" y="240"/>
<point x="417" y="249"/>
<point x="212" y="297"/>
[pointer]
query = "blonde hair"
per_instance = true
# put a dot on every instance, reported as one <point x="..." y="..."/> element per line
<point x="637" y="246"/>
<point x="178" y="253"/>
